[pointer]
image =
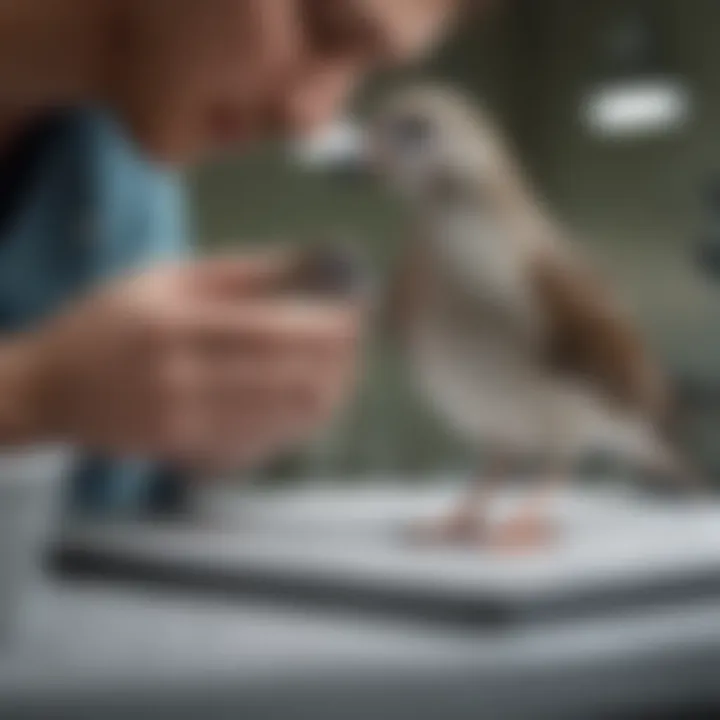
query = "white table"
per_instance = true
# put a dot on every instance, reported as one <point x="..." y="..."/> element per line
<point x="120" y="651"/>
<point x="346" y="546"/>
<point x="109" y="653"/>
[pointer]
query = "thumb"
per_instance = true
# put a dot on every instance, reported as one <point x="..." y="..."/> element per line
<point x="250" y="274"/>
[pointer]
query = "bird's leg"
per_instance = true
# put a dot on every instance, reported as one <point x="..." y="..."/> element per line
<point x="531" y="528"/>
<point x="467" y="522"/>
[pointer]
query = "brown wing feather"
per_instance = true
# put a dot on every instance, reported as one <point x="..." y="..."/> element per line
<point x="589" y="337"/>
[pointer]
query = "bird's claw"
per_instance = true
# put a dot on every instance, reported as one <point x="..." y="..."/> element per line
<point x="457" y="530"/>
<point x="525" y="534"/>
<point x="517" y="536"/>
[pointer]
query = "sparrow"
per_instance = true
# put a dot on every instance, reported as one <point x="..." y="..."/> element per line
<point x="510" y="336"/>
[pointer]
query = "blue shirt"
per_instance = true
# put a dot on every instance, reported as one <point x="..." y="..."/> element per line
<point x="92" y="209"/>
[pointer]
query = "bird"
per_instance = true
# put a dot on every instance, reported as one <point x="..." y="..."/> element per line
<point x="510" y="335"/>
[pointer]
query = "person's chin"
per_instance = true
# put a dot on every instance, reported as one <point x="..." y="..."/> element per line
<point x="172" y="144"/>
<point x="160" y="146"/>
<point x="172" y="149"/>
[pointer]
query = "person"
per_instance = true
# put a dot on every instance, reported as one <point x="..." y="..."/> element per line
<point x="112" y="337"/>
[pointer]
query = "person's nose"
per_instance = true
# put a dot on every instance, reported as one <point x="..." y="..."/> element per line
<point x="320" y="95"/>
<point x="314" y="116"/>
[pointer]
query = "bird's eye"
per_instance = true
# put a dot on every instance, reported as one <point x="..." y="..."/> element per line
<point x="411" y="132"/>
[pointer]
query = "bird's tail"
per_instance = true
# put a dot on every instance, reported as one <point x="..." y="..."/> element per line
<point x="682" y="467"/>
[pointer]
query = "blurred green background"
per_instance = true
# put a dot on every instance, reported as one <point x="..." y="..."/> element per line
<point x="635" y="205"/>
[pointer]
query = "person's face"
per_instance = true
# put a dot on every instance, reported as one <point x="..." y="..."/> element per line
<point x="194" y="75"/>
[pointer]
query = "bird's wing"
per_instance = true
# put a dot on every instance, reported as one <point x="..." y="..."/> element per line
<point x="590" y="338"/>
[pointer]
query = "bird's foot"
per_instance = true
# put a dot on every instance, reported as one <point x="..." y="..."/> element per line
<point x="458" y="529"/>
<point x="522" y="534"/>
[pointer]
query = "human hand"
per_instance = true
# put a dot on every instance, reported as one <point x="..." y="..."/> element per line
<point x="200" y="363"/>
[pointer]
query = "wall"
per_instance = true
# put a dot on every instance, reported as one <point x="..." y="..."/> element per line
<point x="637" y="205"/>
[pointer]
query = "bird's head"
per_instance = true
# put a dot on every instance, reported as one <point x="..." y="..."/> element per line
<point x="436" y="148"/>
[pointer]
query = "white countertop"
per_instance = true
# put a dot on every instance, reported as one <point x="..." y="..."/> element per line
<point x="96" y="645"/>
<point x="126" y="651"/>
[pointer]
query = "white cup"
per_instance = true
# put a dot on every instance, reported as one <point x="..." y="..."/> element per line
<point x="30" y="481"/>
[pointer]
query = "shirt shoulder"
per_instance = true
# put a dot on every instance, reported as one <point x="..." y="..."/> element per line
<point x="139" y="208"/>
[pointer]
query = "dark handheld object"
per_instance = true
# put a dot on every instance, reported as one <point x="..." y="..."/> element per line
<point x="332" y="270"/>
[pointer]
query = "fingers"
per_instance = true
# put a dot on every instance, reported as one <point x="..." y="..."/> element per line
<point x="227" y="277"/>
<point x="250" y="412"/>
<point x="152" y="369"/>
<point x="242" y="401"/>
<point x="280" y="273"/>
<point x="264" y="329"/>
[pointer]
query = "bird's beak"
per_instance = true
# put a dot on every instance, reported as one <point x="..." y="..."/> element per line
<point x="340" y="150"/>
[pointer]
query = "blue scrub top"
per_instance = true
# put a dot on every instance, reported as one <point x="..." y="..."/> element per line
<point x="91" y="210"/>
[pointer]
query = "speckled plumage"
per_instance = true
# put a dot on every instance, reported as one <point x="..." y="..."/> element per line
<point x="510" y="337"/>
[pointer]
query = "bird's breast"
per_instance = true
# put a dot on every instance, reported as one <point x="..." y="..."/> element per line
<point x="482" y="379"/>
<point x="478" y="255"/>
<point x="477" y="249"/>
